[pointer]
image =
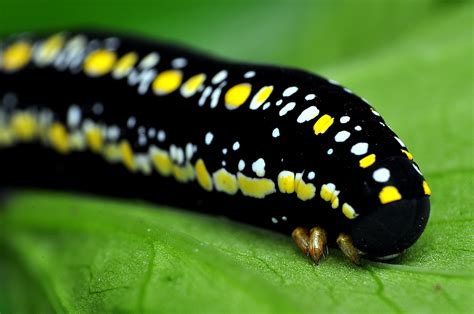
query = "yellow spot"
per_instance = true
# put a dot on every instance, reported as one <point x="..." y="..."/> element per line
<point x="389" y="194"/>
<point x="162" y="161"/>
<point x="335" y="202"/>
<point x="77" y="141"/>
<point x="426" y="188"/>
<point x="58" y="138"/>
<point x="203" y="176"/>
<point x="408" y="154"/>
<point x="260" y="97"/>
<point x="237" y="95"/>
<point x="17" y="56"/>
<point x="124" y="65"/>
<point x="330" y="194"/>
<point x="192" y="85"/>
<point x="99" y="62"/>
<point x="24" y="126"/>
<point x="254" y="187"/>
<point x="111" y="153"/>
<point x="128" y="157"/>
<point x="183" y="174"/>
<point x="167" y="82"/>
<point x="327" y="191"/>
<point x="49" y="49"/>
<point x="349" y="211"/>
<point x="323" y="124"/>
<point x="225" y="181"/>
<point x="367" y="161"/>
<point x="286" y="182"/>
<point x="304" y="191"/>
<point x="6" y="137"/>
<point x="94" y="138"/>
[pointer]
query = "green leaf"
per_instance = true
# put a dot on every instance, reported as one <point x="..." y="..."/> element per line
<point x="412" y="61"/>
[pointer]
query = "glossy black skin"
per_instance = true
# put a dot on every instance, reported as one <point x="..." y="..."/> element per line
<point x="379" y="230"/>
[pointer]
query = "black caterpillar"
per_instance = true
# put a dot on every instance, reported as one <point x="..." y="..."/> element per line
<point x="271" y="146"/>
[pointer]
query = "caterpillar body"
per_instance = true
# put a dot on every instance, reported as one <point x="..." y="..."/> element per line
<point x="271" y="146"/>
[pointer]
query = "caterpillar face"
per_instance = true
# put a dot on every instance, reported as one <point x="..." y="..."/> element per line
<point x="271" y="146"/>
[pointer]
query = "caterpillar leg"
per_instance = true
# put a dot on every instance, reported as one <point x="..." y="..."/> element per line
<point x="344" y="242"/>
<point x="312" y="243"/>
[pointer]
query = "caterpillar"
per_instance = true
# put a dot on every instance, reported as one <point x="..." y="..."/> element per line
<point x="275" y="147"/>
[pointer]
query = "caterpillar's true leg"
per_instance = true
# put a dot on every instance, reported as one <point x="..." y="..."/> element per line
<point x="313" y="243"/>
<point x="344" y="242"/>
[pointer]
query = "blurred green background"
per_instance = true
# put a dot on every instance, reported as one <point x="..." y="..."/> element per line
<point x="413" y="60"/>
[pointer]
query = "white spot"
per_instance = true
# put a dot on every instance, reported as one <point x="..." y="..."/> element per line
<point x="143" y="163"/>
<point x="151" y="132"/>
<point x="381" y="175"/>
<point x="113" y="133"/>
<point x="74" y="116"/>
<point x="149" y="61"/>
<point x="189" y="151"/>
<point x="311" y="175"/>
<point x="224" y="151"/>
<point x="358" y="128"/>
<point x="142" y="140"/>
<point x="141" y="130"/>
<point x="381" y="123"/>
<point x="208" y="139"/>
<point x="360" y="149"/>
<point x="249" y="74"/>
<point x="173" y="152"/>
<point x="276" y="132"/>
<point x="131" y="122"/>
<point x="375" y="113"/>
<point x="348" y="90"/>
<point x="179" y="63"/>
<point x="97" y="108"/>
<point x="417" y="169"/>
<point x="180" y="155"/>
<point x="143" y="80"/>
<point x="290" y="91"/>
<point x="161" y="136"/>
<point x="334" y="82"/>
<point x="308" y="114"/>
<point x="236" y="146"/>
<point x="274" y="220"/>
<point x="10" y="100"/>
<point x="266" y="105"/>
<point x="216" y="94"/>
<point x="400" y="141"/>
<point x="259" y="167"/>
<point x="284" y="218"/>
<point x="223" y="163"/>
<point x="342" y="136"/>
<point x="111" y="43"/>
<point x="287" y="108"/>
<point x="310" y="97"/>
<point x="219" y="77"/>
<point x="344" y="119"/>
<point x="241" y="165"/>
<point x="202" y="100"/>
<point x="330" y="151"/>
<point x="279" y="102"/>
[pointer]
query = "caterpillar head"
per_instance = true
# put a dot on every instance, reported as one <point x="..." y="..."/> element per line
<point x="400" y="209"/>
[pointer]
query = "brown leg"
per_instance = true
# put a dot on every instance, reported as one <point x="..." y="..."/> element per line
<point x="312" y="243"/>
<point x="344" y="242"/>
<point x="301" y="237"/>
